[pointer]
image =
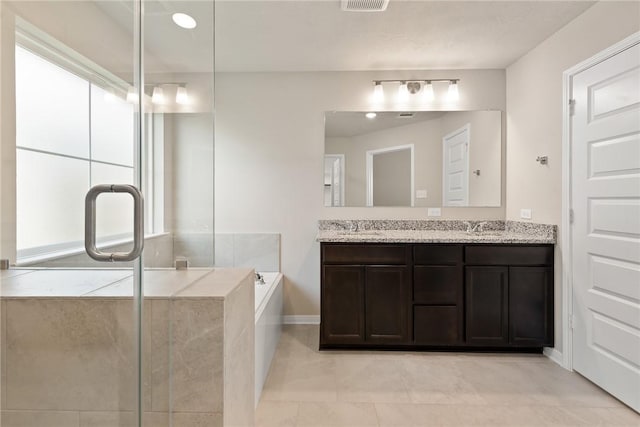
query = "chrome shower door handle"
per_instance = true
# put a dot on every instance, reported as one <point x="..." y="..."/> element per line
<point x="90" y="222"/>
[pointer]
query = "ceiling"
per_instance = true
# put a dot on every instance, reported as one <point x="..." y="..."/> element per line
<point x="319" y="36"/>
<point x="316" y="35"/>
<point x="349" y="123"/>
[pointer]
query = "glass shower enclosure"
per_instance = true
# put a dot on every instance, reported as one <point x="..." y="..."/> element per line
<point x="106" y="145"/>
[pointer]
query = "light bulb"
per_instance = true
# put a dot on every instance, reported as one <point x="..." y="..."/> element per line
<point x="378" y="92"/>
<point x="427" y="92"/>
<point x="184" y="21"/>
<point x="370" y="115"/>
<point x="158" y="95"/>
<point x="182" y="97"/>
<point x="403" y="92"/>
<point x="110" y="95"/>
<point x="453" y="91"/>
<point x="132" y="95"/>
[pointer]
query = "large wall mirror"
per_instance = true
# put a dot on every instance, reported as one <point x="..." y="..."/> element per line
<point x="419" y="158"/>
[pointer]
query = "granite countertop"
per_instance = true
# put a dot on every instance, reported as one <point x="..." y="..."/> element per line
<point x="430" y="231"/>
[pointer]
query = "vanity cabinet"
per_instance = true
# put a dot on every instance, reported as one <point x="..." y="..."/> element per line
<point x="425" y="295"/>
<point x="366" y="294"/>
<point x="509" y="296"/>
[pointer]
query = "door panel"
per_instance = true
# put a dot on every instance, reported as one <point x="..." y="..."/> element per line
<point x="605" y="151"/>
<point x="455" y="175"/>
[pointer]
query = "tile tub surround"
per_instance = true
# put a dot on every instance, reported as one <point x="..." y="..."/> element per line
<point x="260" y="251"/>
<point x="434" y="231"/>
<point x="67" y="354"/>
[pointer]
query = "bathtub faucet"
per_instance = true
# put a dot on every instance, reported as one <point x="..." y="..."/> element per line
<point x="260" y="279"/>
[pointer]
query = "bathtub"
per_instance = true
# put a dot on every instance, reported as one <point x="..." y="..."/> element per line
<point x="269" y="301"/>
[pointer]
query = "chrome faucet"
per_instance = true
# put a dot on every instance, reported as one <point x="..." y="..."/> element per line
<point x="473" y="228"/>
<point x="260" y="279"/>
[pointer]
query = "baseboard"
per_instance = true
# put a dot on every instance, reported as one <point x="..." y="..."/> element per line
<point x="553" y="354"/>
<point x="301" y="320"/>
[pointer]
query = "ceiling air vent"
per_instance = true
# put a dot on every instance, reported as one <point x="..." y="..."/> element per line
<point x="364" y="5"/>
<point x="406" y="115"/>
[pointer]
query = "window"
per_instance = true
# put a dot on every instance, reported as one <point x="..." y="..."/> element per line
<point x="71" y="134"/>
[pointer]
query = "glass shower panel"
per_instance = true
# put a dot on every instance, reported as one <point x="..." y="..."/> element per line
<point x="71" y="326"/>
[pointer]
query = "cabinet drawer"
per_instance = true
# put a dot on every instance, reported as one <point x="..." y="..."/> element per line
<point x="365" y="254"/>
<point x="508" y="255"/>
<point x="437" y="254"/>
<point x="436" y="325"/>
<point x="436" y="284"/>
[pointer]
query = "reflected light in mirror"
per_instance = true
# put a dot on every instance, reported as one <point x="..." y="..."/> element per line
<point x="184" y="21"/>
<point x="370" y="115"/>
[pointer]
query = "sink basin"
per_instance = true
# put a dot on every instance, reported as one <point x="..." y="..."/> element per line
<point x="359" y="233"/>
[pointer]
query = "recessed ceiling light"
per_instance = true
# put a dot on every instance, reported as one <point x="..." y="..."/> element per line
<point x="371" y="115"/>
<point x="183" y="20"/>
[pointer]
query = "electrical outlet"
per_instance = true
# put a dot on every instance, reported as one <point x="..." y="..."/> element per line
<point x="525" y="213"/>
<point x="434" y="212"/>
<point x="421" y="194"/>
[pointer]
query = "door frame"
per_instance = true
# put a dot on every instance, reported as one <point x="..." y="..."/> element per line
<point x="369" y="169"/>
<point x="566" y="237"/>
<point x="466" y="128"/>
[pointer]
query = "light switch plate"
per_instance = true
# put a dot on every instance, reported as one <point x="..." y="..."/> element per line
<point x="434" y="212"/>
<point x="421" y="194"/>
<point x="525" y="213"/>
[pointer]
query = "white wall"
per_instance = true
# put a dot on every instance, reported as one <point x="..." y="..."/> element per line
<point x="534" y="114"/>
<point x="270" y="150"/>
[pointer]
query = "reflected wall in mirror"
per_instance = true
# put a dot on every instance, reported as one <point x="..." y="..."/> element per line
<point x="419" y="158"/>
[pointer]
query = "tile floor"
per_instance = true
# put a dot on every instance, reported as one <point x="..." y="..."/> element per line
<point x="306" y="387"/>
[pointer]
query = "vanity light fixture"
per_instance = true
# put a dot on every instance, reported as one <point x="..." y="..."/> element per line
<point x="370" y="115"/>
<point x="132" y="95"/>
<point x="427" y="91"/>
<point x="378" y="92"/>
<point x="403" y="92"/>
<point x="182" y="97"/>
<point x="110" y="95"/>
<point x="158" y="95"/>
<point x="183" y="20"/>
<point x="412" y="87"/>
<point x="454" y="95"/>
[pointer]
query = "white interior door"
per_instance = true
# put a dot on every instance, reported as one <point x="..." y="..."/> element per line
<point x="455" y="169"/>
<point x="605" y="155"/>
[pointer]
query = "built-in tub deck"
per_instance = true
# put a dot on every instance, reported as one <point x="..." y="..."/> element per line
<point x="68" y="345"/>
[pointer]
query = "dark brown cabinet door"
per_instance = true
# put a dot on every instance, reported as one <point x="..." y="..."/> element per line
<point x="342" y="305"/>
<point x="436" y="325"/>
<point x="487" y="295"/>
<point x="530" y="306"/>
<point x="387" y="302"/>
